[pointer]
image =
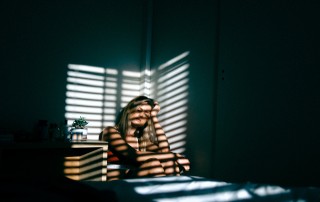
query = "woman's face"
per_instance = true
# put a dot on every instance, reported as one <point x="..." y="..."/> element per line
<point x="140" y="114"/>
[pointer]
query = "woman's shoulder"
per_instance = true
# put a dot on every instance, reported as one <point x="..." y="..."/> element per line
<point x="110" y="129"/>
<point x="107" y="131"/>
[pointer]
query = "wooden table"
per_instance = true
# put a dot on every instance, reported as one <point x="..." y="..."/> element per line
<point x="88" y="162"/>
<point x="81" y="160"/>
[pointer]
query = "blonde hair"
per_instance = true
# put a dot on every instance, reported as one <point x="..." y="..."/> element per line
<point x="146" y="133"/>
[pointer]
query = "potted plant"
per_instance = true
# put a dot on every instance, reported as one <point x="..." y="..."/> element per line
<point x="79" y="130"/>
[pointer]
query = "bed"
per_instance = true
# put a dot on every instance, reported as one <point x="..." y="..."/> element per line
<point x="199" y="189"/>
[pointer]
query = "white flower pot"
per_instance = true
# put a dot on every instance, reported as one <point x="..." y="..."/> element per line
<point x="78" y="134"/>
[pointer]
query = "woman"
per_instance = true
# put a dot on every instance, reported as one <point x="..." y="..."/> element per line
<point x="139" y="142"/>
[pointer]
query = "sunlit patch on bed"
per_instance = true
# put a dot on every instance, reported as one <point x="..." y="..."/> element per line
<point x="193" y="188"/>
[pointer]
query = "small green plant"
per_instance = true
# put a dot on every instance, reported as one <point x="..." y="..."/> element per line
<point x="79" y="123"/>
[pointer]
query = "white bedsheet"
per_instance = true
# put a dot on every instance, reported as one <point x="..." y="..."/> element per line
<point x="199" y="189"/>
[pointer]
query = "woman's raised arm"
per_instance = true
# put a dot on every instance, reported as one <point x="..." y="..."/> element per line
<point x="163" y="143"/>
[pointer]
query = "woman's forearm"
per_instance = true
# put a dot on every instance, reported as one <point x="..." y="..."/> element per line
<point x="163" y="143"/>
<point x="161" y="156"/>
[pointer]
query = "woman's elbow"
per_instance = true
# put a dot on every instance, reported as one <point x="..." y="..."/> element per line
<point x="103" y="135"/>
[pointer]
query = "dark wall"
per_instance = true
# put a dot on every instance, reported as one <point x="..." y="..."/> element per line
<point x="264" y="125"/>
<point x="268" y="111"/>
<point x="253" y="103"/>
<point x="40" y="38"/>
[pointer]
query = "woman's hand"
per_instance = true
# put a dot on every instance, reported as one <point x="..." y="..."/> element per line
<point x="183" y="161"/>
<point x="155" y="110"/>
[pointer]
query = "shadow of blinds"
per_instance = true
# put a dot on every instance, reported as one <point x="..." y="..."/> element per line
<point x="91" y="93"/>
<point x="130" y="86"/>
<point x="97" y="94"/>
<point x="169" y="85"/>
